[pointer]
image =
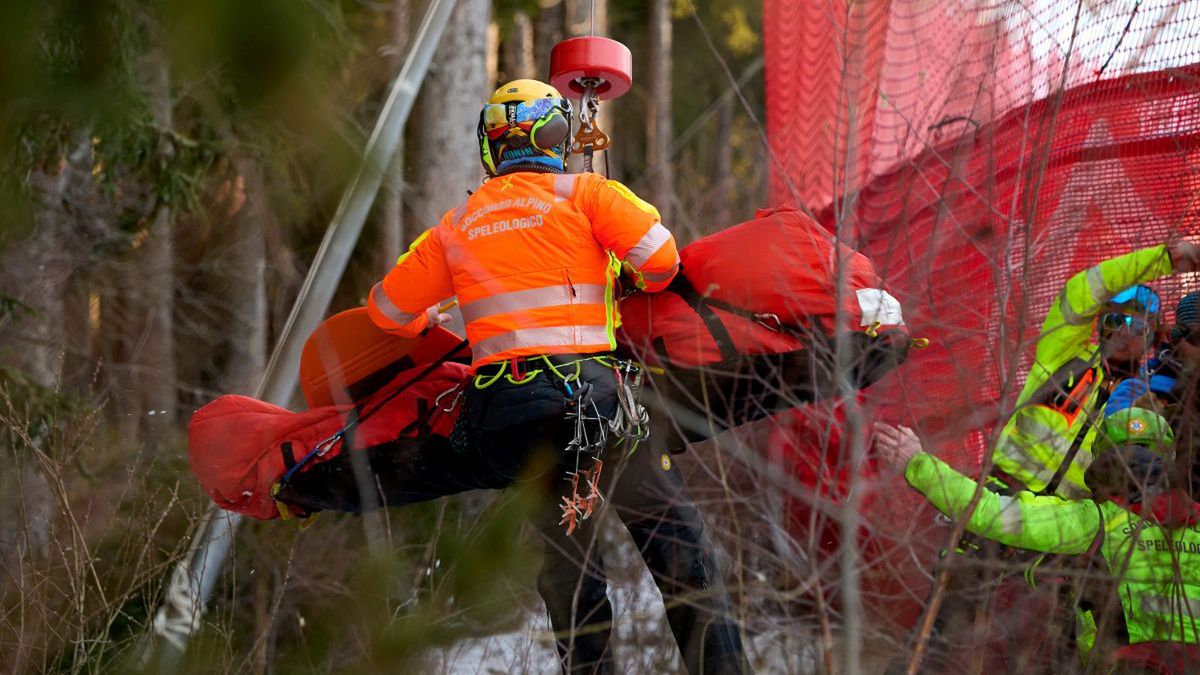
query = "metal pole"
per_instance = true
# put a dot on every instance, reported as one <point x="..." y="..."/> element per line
<point x="194" y="577"/>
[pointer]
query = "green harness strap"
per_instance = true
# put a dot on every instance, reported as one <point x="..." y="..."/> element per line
<point x="485" y="381"/>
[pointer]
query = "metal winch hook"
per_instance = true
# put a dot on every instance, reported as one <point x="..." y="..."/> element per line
<point x="589" y="138"/>
<point x="588" y="103"/>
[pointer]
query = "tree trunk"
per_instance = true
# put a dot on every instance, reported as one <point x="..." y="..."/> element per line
<point x="722" y="178"/>
<point x="659" y="173"/>
<point x="32" y="272"/>
<point x="547" y="32"/>
<point x="152" y="288"/>
<point x="401" y="32"/>
<point x="79" y="360"/>
<point x="517" y="62"/>
<point x="446" y="158"/>
<point x="114" y="348"/>
<point x="35" y="272"/>
<point x="492" y="55"/>
<point x="155" y="375"/>
<point x="245" y="287"/>
<point x="392" y="241"/>
<point x="33" y="275"/>
<point x="447" y="152"/>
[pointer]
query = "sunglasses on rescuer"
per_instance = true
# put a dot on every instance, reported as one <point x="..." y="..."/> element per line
<point x="498" y="118"/>
<point x="1132" y="323"/>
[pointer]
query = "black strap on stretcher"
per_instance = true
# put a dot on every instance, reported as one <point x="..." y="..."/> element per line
<point x="704" y="308"/>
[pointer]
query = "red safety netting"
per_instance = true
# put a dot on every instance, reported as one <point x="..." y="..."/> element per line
<point x="886" y="79"/>
<point x="978" y="234"/>
<point x="979" y="153"/>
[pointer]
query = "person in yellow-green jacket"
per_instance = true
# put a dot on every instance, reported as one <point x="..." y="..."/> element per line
<point x="1098" y="330"/>
<point x="1144" y="615"/>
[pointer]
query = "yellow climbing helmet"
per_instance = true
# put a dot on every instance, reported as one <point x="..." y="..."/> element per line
<point x="523" y="91"/>
<point x="525" y="126"/>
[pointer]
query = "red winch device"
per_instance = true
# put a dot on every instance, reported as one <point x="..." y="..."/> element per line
<point x="596" y="69"/>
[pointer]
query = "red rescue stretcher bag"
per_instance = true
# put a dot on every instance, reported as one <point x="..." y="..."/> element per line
<point x="241" y="448"/>
<point x="754" y="309"/>
<point x="766" y="286"/>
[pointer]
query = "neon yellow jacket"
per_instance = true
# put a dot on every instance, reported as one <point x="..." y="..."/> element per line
<point x="1157" y="570"/>
<point x="1038" y="437"/>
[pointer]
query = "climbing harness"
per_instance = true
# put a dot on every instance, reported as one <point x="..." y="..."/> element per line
<point x="593" y="430"/>
<point x="587" y="446"/>
<point x="630" y="422"/>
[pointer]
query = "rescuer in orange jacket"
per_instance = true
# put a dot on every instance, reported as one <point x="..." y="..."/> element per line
<point x="534" y="257"/>
<point x="534" y="254"/>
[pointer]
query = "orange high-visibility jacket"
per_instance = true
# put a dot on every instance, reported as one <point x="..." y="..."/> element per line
<point x="533" y="259"/>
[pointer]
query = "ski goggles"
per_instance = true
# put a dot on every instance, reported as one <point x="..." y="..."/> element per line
<point x="498" y="118"/>
<point x="1143" y="297"/>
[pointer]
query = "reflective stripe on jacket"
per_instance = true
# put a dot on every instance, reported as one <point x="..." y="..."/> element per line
<point x="1038" y="437"/>
<point x="1142" y="557"/>
<point x="532" y="259"/>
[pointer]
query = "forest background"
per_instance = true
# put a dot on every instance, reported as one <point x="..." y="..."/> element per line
<point x="168" y="172"/>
